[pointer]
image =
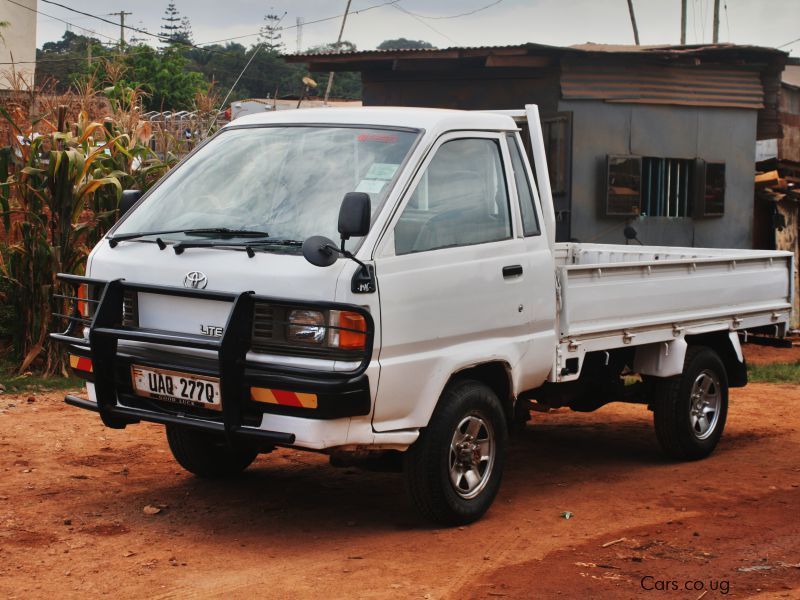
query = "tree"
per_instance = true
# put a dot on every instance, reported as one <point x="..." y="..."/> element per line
<point x="186" y="31"/>
<point x="165" y="77"/>
<point x="71" y="52"/>
<point x="344" y="46"/>
<point x="404" y="44"/>
<point x="174" y="28"/>
<point x="270" y="35"/>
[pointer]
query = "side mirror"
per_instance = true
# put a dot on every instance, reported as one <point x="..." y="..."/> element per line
<point x="354" y="219"/>
<point x="129" y="198"/>
<point x="320" y="251"/>
<point x="354" y="215"/>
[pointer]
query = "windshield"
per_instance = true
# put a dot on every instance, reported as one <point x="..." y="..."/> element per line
<point x="287" y="181"/>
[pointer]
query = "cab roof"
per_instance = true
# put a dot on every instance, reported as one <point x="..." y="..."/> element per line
<point x="429" y="119"/>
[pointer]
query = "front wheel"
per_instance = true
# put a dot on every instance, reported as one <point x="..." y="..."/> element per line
<point x="690" y="409"/>
<point x="207" y="455"/>
<point x="453" y="470"/>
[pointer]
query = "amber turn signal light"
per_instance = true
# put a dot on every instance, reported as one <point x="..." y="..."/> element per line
<point x="353" y="332"/>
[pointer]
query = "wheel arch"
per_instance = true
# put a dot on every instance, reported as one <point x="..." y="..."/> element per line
<point x="497" y="376"/>
<point x="726" y="345"/>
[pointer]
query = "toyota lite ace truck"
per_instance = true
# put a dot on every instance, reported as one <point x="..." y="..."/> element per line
<point x="384" y="282"/>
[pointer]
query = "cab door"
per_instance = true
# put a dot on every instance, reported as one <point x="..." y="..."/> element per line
<point x="453" y="277"/>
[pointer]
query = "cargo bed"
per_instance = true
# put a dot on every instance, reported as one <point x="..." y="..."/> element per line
<point x="613" y="295"/>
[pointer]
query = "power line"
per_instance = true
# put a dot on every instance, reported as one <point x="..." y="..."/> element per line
<point x="104" y="20"/>
<point x="199" y="46"/>
<point x="62" y="20"/>
<point x="431" y="27"/>
<point x="352" y="12"/>
<point x="129" y="51"/>
<point x="789" y="43"/>
<point x="465" y="14"/>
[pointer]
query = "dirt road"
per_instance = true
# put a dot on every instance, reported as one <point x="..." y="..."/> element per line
<point x="73" y="494"/>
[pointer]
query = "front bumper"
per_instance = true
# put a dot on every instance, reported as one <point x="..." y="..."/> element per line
<point x="339" y="394"/>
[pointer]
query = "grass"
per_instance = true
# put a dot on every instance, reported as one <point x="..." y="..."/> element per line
<point x="15" y="384"/>
<point x="771" y="373"/>
<point x="775" y="373"/>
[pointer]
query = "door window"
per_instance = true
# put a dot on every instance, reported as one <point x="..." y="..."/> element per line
<point x="460" y="200"/>
<point x="530" y="223"/>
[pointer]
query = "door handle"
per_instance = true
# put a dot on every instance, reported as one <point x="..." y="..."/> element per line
<point x="512" y="271"/>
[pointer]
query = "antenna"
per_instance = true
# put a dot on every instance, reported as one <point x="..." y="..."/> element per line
<point x="300" y="21"/>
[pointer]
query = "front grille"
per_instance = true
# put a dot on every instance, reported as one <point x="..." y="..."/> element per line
<point x="130" y="309"/>
<point x="263" y="327"/>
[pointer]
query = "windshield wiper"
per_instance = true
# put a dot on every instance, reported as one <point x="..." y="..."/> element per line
<point x="220" y="231"/>
<point x="249" y="245"/>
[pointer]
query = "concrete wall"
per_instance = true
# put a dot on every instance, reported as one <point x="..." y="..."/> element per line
<point x="19" y="41"/>
<point x="714" y="134"/>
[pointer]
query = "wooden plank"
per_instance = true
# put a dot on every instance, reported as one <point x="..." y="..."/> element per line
<point x="769" y="178"/>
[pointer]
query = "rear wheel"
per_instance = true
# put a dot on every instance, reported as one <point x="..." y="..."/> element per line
<point x="690" y="410"/>
<point x="453" y="470"/>
<point x="206" y="454"/>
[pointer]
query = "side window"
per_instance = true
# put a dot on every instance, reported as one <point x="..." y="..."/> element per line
<point x="530" y="223"/>
<point x="460" y="200"/>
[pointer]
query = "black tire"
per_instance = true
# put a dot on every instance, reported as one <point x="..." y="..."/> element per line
<point x="207" y="455"/>
<point x="427" y="463"/>
<point x="680" y="433"/>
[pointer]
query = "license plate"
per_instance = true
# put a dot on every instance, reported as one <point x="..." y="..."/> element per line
<point x="173" y="386"/>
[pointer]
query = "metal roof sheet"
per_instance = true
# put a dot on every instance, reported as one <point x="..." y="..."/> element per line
<point x="589" y="47"/>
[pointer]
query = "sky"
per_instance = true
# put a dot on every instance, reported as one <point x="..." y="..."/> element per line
<point x="558" y="22"/>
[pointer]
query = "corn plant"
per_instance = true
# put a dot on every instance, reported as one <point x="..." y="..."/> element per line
<point x="49" y="180"/>
<point x="60" y="185"/>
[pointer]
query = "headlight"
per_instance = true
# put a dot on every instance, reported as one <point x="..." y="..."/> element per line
<point x="307" y="326"/>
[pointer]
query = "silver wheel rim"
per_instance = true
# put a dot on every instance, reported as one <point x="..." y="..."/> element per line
<point x="471" y="456"/>
<point x="705" y="403"/>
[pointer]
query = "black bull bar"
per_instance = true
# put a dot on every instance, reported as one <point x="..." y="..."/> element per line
<point x="342" y="393"/>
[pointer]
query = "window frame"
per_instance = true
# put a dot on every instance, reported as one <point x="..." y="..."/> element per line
<point x="386" y="246"/>
<point x="697" y="206"/>
<point x="513" y="137"/>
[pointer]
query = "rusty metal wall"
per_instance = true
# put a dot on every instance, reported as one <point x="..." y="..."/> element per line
<point x="646" y="84"/>
<point x="602" y="128"/>
<point x="789" y="145"/>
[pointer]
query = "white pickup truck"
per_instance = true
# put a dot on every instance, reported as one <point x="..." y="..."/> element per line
<point x="220" y="306"/>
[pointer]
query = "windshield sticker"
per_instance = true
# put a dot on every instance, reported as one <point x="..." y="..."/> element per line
<point x="385" y="138"/>
<point x="370" y="186"/>
<point x="383" y="171"/>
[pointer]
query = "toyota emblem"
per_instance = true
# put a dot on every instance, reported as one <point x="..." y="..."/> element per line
<point x="195" y="280"/>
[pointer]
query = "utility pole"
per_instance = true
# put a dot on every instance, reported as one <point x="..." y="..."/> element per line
<point x="338" y="43"/>
<point x="683" y="22"/>
<point x="121" y="14"/>
<point x="716" y="21"/>
<point x="633" y="22"/>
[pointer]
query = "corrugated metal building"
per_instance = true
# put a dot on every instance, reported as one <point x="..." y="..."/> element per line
<point x="662" y="136"/>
